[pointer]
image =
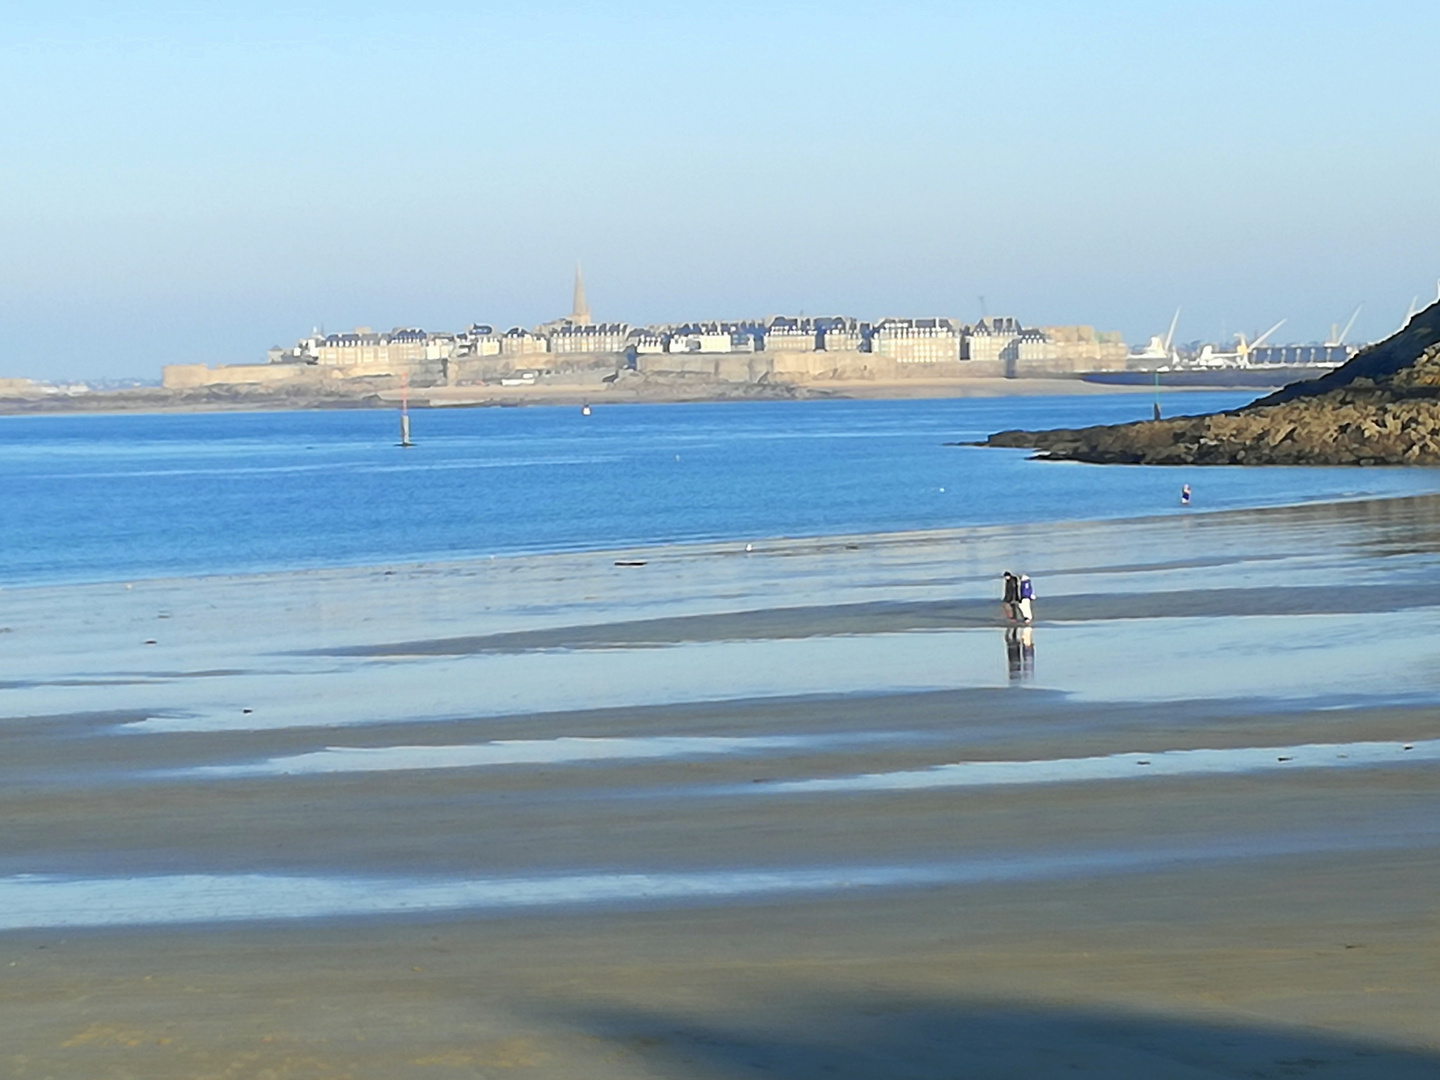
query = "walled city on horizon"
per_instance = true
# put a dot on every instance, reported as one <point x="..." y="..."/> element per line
<point x="780" y="348"/>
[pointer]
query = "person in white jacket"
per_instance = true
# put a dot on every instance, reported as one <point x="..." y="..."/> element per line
<point x="1027" y="595"/>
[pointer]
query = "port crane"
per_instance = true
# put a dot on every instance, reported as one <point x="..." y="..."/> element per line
<point x="1338" y="336"/>
<point x="1162" y="350"/>
<point x="1243" y="349"/>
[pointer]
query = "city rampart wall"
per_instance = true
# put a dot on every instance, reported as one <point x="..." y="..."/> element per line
<point x="737" y="367"/>
<point x="194" y="376"/>
<point x="830" y="364"/>
<point x="740" y="367"/>
<point x="843" y="364"/>
<point x="191" y="376"/>
<point x="473" y="370"/>
<point x="1070" y="362"/>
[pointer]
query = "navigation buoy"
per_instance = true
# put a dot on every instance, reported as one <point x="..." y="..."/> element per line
<point x="405" y="411"/>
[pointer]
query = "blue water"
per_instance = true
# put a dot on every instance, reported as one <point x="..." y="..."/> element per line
<point x="90" y="498"/>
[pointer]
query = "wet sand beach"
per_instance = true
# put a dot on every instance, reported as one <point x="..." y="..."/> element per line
<point x="806" y="810"/>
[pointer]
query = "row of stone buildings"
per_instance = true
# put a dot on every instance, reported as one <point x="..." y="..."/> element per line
<point x="906" y="341"/>
<point x="789" y="348"/>
<point x="793" y="348"/>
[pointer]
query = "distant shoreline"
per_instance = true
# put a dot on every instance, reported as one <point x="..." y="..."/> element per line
<point x="679" y="391"/>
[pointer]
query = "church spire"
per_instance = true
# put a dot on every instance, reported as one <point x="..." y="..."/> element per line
<point x="580" y="313"/>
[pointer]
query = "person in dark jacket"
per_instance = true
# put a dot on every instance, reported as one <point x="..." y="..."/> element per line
<point x="1010" y="597"/>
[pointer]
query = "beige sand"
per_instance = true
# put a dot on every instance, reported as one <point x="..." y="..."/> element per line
<point x="1277" y="923"/>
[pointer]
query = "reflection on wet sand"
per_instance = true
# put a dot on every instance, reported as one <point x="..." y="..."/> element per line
<point x="1020" y="653"/>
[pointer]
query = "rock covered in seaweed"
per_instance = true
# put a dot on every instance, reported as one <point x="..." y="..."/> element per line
<point x="1381" y="408"/>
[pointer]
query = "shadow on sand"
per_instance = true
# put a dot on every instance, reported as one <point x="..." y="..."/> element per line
<point x="897" y="1038"/>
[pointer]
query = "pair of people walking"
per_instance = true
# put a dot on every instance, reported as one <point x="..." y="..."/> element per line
<point x="1018" y="598"/>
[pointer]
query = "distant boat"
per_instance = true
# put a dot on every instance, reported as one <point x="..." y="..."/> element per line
<point x="585" y="409"/>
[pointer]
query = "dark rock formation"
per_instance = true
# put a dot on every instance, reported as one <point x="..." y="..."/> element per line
<point x="1381" y="408"/>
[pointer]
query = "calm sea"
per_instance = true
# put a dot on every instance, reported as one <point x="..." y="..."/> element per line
<point x="92" y="498"/>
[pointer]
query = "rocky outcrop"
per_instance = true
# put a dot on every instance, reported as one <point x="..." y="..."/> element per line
<point x="1381" y="408"/>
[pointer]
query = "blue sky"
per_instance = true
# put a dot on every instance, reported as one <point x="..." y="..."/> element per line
<point x="183" y="183"/>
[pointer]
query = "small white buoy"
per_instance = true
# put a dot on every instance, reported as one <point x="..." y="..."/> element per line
<point x="749" y="547"/>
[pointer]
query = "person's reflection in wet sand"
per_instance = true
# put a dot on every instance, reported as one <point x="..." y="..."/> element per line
<point x="1020" y="653"/>
<point x="1012" y="652"/>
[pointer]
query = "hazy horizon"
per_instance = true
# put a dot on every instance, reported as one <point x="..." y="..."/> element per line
<point x="187" y="186"/>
